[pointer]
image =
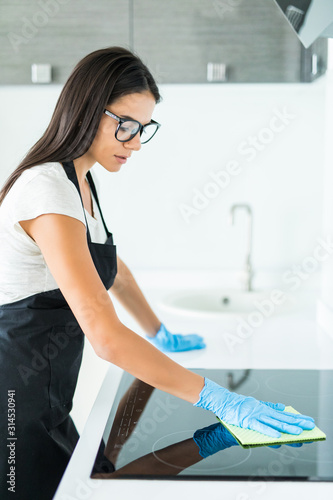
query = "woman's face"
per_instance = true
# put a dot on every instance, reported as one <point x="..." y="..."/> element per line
<point x="106" y="149"/>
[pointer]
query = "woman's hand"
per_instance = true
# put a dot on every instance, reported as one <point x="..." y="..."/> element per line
<point x="166" y="341"/>
<point x="249" y="413"/>
<point x="212" y="439"/>
<point x="216" y="438"/>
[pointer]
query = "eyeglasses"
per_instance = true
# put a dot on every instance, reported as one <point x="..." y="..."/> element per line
<point x="127" y="129"/>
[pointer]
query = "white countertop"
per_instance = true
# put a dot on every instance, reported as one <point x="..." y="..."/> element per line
<point x="287" y="341"/>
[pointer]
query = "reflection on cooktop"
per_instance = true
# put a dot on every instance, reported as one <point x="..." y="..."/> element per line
<point x="151" y="434"/>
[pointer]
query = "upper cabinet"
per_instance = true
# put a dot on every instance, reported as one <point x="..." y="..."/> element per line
<point x="182" y="41"/>
<point x="241" y="41"/>
<point x="56" y="33"/>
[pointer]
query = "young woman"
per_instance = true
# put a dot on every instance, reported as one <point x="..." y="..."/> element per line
<point x="57" y="263"/>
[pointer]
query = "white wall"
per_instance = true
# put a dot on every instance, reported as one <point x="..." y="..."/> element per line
<point x="203" y="127"/>
<point x="326" y="316"/>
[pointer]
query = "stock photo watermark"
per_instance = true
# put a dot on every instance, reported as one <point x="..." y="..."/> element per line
<point x="265" y="308"/>
<point x="30" y="27"/>
<point x="83" y="490"/>
<point x="60" y="338"/>
<point x="148" y="425"/>
<point x="257" y="483"/>
<point x="11" y="440"/>
<point x="224" y="7"/>
<point x="56" y="342"/>
<point x="248" y="149"/>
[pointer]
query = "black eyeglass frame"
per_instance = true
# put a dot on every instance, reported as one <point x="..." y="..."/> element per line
<point x="140" y="129"/>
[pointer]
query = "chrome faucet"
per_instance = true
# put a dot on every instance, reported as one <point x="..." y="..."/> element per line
<point x="248" y="264"/>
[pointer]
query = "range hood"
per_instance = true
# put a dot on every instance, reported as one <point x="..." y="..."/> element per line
<point x="310" y="19"/>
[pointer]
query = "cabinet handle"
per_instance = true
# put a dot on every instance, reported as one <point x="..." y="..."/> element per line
<point x="216" y="72"/>
<point x="41" y="73"/>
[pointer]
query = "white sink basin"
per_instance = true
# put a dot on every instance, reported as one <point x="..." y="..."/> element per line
<point x="226" y="303"/>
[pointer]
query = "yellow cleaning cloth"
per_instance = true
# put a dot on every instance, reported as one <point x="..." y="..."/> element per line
<point x="250" y="439"/>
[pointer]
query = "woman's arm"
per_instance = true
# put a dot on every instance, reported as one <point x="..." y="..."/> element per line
<point x="168" y="461"/>
<point x="126" y="290"/>
<point x="63" y="243"/>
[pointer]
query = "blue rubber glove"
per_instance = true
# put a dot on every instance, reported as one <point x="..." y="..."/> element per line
<point x="249" y="413"/>
<point x="212" y="439"/>
<point x="166" y="341"/>
<point x="216" y="438"/>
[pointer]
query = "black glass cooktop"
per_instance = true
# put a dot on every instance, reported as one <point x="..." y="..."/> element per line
<point x="149" y="434"/>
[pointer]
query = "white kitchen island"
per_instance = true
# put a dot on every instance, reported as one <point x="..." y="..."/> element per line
<point x="286" y="341"/>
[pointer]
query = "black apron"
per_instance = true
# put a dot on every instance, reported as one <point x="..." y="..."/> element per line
<point x="41" y="347"/>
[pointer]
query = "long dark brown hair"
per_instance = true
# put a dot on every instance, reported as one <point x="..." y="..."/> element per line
<point x="98" y="80"/>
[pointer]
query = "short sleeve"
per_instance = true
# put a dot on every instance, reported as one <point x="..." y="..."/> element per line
<point x="46" y="193"/>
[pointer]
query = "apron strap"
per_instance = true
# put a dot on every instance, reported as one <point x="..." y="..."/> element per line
<point x="71" y="174"/>
<point x="94" y="192"/>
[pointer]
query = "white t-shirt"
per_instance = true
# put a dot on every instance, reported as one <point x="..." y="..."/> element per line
<point x="39" y="190"/>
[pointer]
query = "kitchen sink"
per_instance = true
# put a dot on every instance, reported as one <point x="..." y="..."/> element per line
<point x="227" y="303"/>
